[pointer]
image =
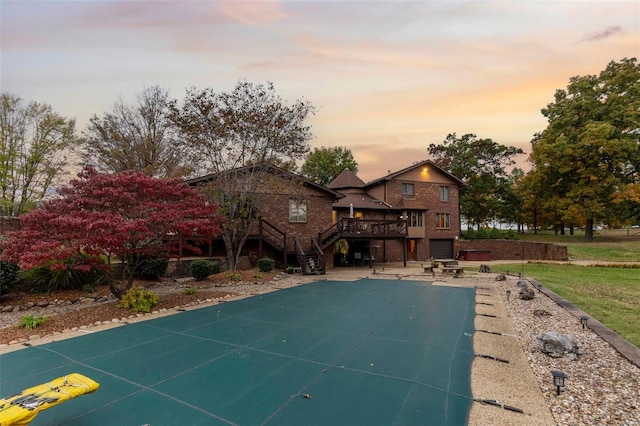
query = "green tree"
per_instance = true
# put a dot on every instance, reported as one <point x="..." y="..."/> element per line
<point x="140" y="137"/>
<point x="482" y="164"/>
<point x="589" y="154"/>
<point x="35" y="145"/>
<point x="250" y="125"/>
<point x="512" y="206"/>
<point x="324" y="164"/>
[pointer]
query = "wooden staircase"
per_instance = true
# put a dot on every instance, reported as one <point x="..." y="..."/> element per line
<point x="311" y="260"/>
<point x="311" y="257"/>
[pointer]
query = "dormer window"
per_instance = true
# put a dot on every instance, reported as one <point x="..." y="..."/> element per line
<point x="408" y="189"/>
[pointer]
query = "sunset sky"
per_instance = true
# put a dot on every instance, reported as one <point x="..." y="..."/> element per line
<point x="388" y="78"/>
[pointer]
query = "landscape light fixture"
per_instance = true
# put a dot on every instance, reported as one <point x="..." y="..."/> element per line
<point x="583" y="321"/>
<point x="508" y="294"/>
<point x="539" y="287"/>
<point x="558" y="380"/>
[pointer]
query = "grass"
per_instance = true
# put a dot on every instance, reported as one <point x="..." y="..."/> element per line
<point x="609" y="294"/>
<point x="616" y="245"/>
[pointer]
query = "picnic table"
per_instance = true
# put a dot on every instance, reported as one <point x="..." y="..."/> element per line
<point x="446" y="262"/>
<point x="429" y="269"/>
<point x="455" y="269"/>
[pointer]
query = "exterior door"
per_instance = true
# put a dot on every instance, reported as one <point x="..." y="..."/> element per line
<point x="412" y="252"/>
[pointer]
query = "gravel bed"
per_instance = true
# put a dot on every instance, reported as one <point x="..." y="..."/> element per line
<point x="603" y="388"/>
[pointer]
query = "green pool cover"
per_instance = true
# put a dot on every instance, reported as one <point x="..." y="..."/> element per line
<point x="366" y="352"/>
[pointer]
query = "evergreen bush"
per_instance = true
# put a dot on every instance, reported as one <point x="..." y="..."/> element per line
<point x="201" y="269"/>
<point x="482" y="234"/>
<point x="9" y="277"/>
<point x="153" y="268"/>
<point x="266" y="264"/>
<point x="495" y="234"/>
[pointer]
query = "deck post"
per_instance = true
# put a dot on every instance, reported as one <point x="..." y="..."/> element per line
<point x="404" y="251"/>
<point x="260" y="239"/>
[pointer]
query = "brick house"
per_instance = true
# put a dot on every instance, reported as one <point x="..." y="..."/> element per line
<point x="411" y="214"/>
<point x="290" y="213"/>
<point x="423" y="194"/>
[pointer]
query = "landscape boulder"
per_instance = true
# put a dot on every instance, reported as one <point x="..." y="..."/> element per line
<point x="501" y="277"/>
<point x="558" y="345"/>
<point x="527" y="293"/>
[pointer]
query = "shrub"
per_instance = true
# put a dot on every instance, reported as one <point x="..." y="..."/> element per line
<point x="153" y="268"/>
<point x="495" y="234"/>
<point x="67" y="274"/>
<point x="9" y="276"/>
<point x="235" y="276"/>
<point x="190" y="291"/>
<point x="139" y="299"/>
<point x="470" y="234"/>
<point x="512" y="235"/>
<point x="201" y="269"/>
<point x="266" y="264"/>
<point x="30" y="322"/>
<point x="482" y="234"/>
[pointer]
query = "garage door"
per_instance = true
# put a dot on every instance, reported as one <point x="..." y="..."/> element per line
<point x="441" y="249"/>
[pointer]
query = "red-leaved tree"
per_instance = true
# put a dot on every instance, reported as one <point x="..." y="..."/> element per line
<point x="124" y="217"/>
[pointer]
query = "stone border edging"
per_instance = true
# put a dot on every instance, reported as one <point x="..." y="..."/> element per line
<point x="624" y="348"/>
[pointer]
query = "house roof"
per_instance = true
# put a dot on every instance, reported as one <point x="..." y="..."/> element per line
<point x="269" y="168"/>
<point x="346" y="179"/>
<point x="429" y="163"/>
<point x="360" y="201"/>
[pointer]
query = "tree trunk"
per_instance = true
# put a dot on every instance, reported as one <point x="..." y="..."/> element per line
<point x="117" y="288"/>
<point x="231" y="253"/>
<point x="588" y="230"/>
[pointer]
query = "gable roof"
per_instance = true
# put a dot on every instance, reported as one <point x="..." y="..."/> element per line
<point x="360" y="201"/>
<point x="268" y="168"/>
<point x="429" y="163"/>
<point x="346" y="179"/>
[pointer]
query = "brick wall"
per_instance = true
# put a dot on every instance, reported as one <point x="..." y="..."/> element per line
<point x="515" y="250"/>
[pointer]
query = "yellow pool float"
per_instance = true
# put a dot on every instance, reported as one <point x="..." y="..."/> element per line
<point x="23" y="407"/>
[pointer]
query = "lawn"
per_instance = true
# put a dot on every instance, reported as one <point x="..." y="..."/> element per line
<point x="616" y="245"/>
<point x="609" y="294"/>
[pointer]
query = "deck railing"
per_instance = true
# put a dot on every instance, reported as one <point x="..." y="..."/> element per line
<point x="361" y="228"/>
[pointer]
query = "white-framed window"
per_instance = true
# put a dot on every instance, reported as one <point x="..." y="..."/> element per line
<point x="444" y="193"/>
<point x="408" y="189"/>
<point x="415" y="219"/>
<point x="443" y="220"/>
<point x="297" y="211"/>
